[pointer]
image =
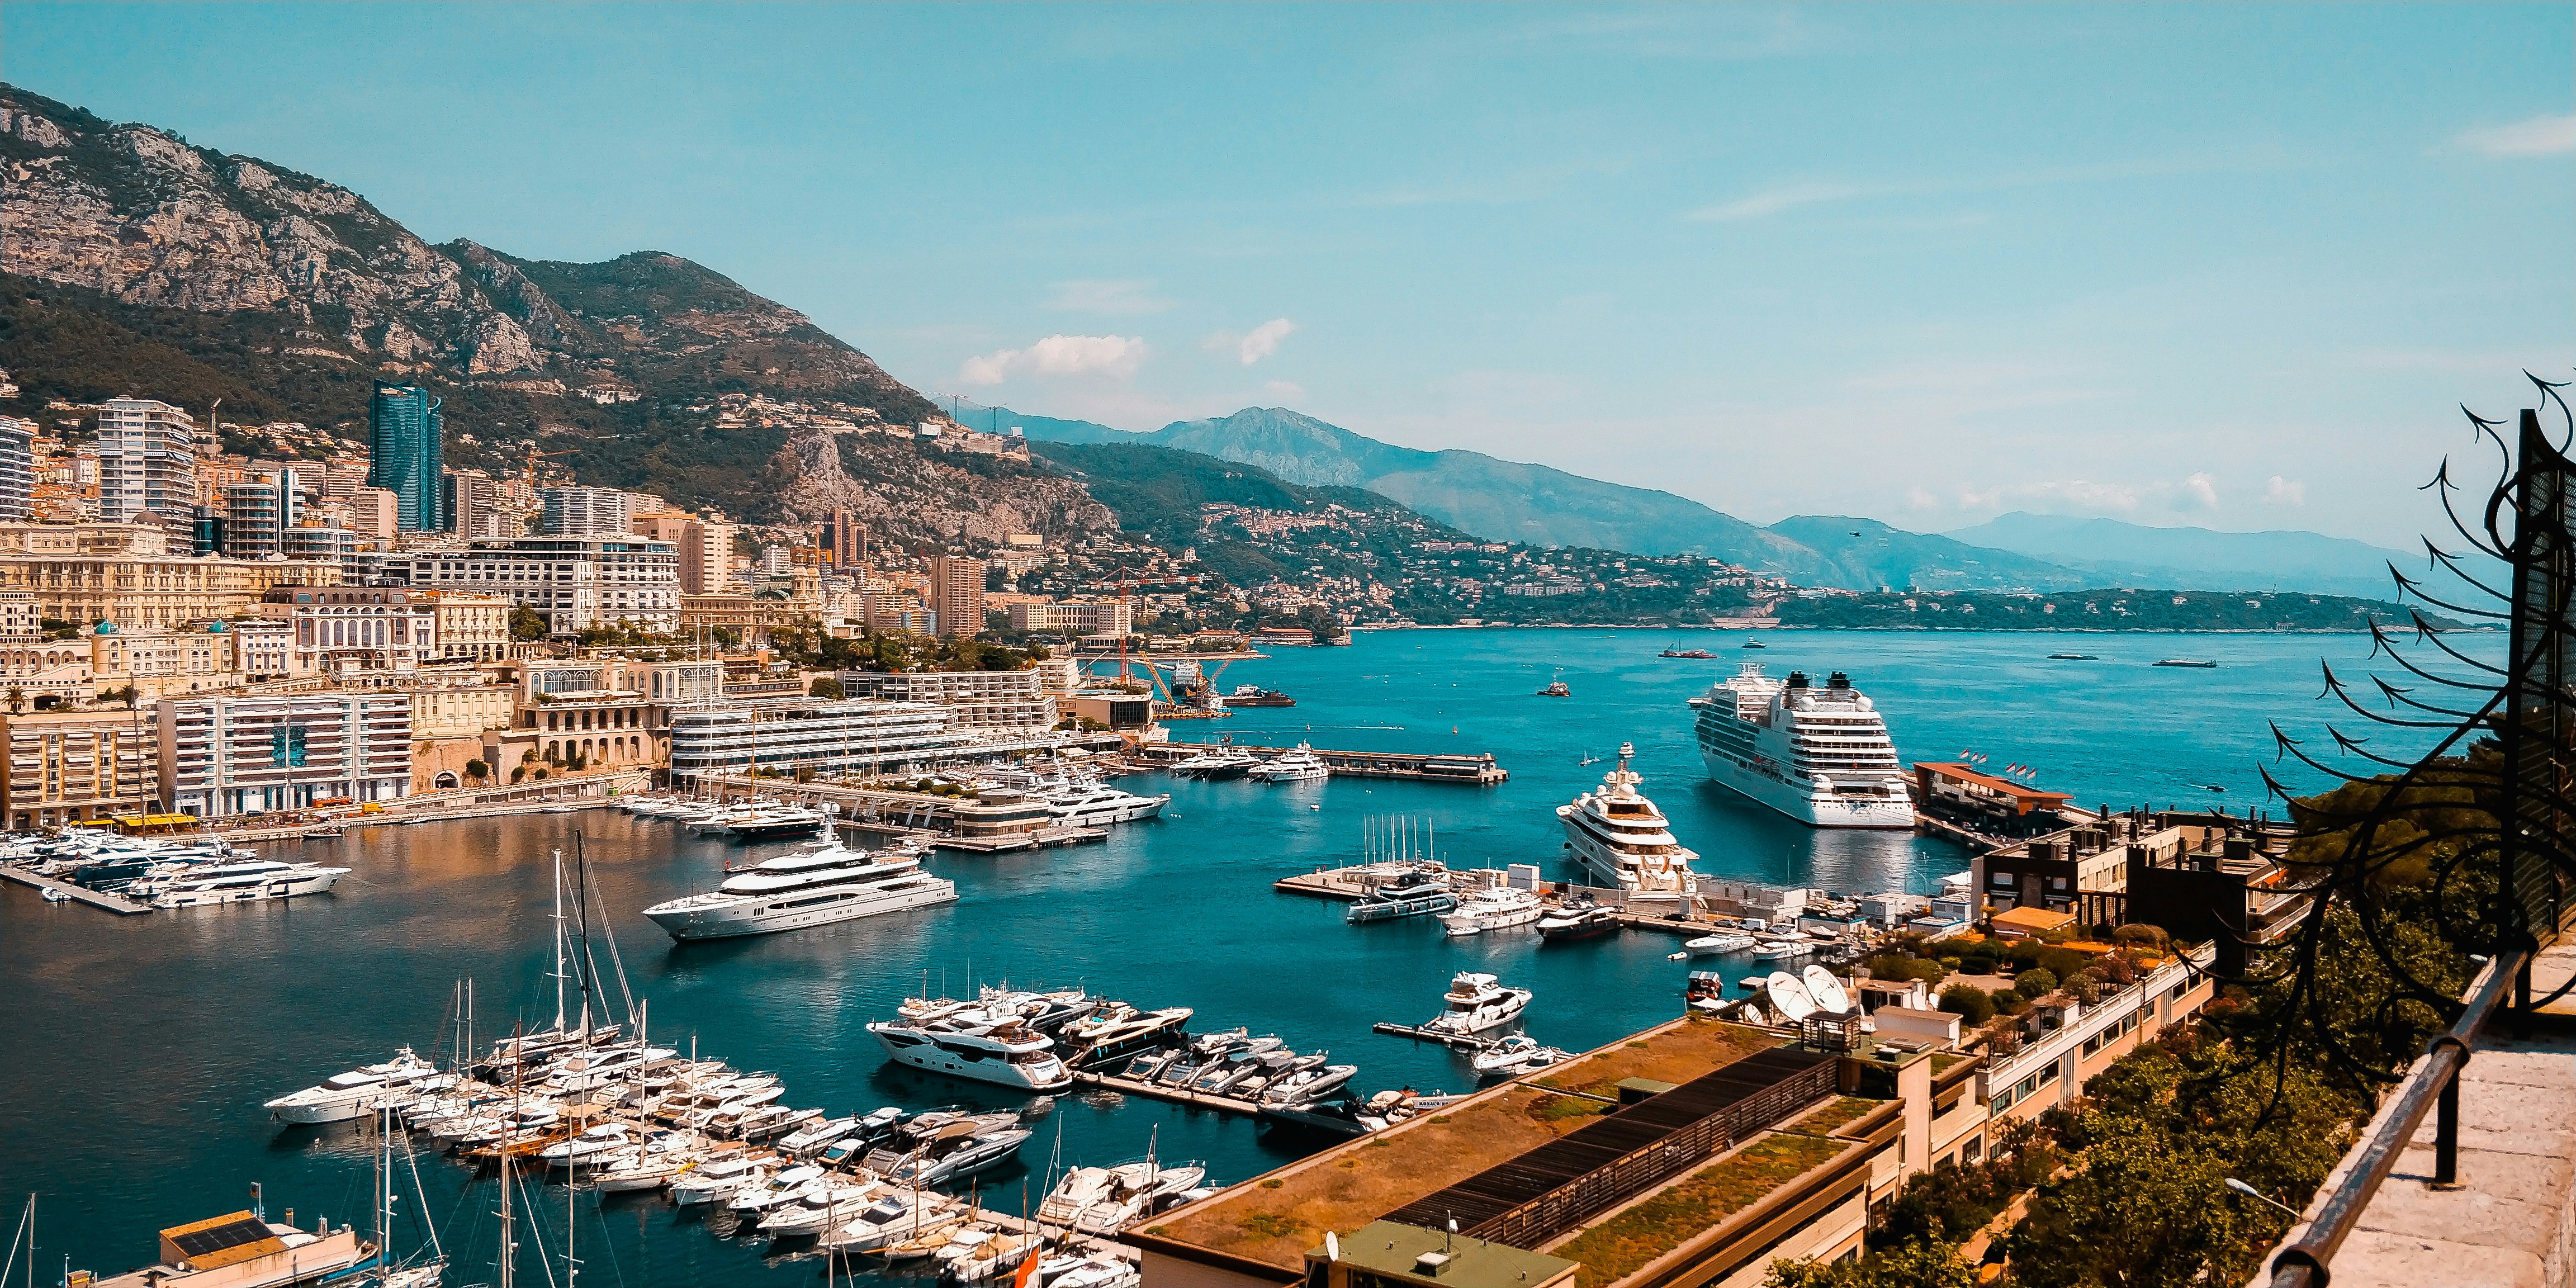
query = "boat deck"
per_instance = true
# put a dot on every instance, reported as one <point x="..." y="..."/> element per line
<point x="115" y="903"/>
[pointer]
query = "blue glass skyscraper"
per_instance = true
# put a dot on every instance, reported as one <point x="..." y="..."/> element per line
<point x="404" y="455"/>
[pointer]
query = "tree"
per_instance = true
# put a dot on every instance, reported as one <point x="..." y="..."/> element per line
<point x="2035" y="982"/>
<point x="527" y="623"/>
<point x="1969" y="1003"/>
<point x="477" y="769"/>
<point x="728" y="639"/>
<point x="825" y="687"/>
<point x="1917" y="1264"/>
<point x="16" y="698"/>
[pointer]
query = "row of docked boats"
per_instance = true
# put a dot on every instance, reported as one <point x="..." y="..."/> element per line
<point x="170" y="872"/>
<point x="756" y="819"/>
<point x="1238" y="1066"/>
<point x="1298" y="764"/>
<point x="1030" y="1040"/>
<point x="625" y="1116"/>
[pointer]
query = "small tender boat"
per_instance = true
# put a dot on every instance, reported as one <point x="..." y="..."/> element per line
<point x="1556" y="689"/>
<point x="2072" y="657"/>
<point x="1516" y="1055"/>
<point x="2194" y="663"/>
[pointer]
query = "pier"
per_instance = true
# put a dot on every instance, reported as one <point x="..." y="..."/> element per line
<point x="1174" y="1095"/>
<point x="1037" y="840"/>
<point x="1476" y="769"/>
<point x="115" y="903"/>
<point x="1460" y="1041"/>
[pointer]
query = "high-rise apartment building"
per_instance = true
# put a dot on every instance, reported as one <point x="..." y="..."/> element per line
<point x="584" y="512"/>
<point x="406" y="456"/>
<point x="845" y="541"/>
<point x="147" y="459"/>
<point x="17" y="467"/>
<point x="258" y="513"/>
<point x="957" y="594"/>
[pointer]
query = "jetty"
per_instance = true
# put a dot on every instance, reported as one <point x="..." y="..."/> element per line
<point x="115" y="903"/>
<point x="1174" y="1095"/>
<point x="1040" y="839"/>
<point x="1461" y="1041"/>
<point x="1475" y="769"/>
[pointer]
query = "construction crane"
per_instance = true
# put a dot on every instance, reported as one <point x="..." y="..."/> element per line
<point x="530" y="476"/>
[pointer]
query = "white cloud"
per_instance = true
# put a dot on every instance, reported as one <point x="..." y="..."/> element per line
<point x="1921" y="499"/>
<point x="1772" y="201"/>
<point x="1264" y="340"/>
<point x="1254" y="345"/>
<point x="1114" y="356"/>
<point x="1112" y="297"/>
<point x="2281" y="491"/>
<point x="2541" y="136"/>
<point x="2202" y="489"/>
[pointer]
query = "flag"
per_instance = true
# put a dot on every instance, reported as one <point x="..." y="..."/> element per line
<point x="1028" y="1269"/>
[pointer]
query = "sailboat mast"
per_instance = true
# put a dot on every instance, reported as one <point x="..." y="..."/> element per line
<point x="559" y="943"/>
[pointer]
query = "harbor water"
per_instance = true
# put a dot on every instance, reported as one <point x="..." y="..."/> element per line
<point x="137" y="1050"/>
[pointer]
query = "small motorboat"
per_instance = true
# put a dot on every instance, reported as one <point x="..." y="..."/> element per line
<point x="53" y="895"/>
<point x="1556" y="689"/>
<point x="2194" y="663"/>
<point x="1516" y="1055"/>
<point x="2072" y="657"/>
<point x="1753" y="644"/>
<point x="1722" y="942"/>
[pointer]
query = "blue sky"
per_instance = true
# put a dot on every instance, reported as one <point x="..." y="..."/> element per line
<point x="2229" y="265"/>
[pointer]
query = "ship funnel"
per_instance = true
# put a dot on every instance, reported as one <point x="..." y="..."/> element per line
<point x="1797" y="679"/>
<point x="1838" y="680"/>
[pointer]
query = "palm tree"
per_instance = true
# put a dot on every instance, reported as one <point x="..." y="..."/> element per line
<point x="16" y="697"/>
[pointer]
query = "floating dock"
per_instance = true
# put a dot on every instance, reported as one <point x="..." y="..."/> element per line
<point x="1175" y="1095"/>
<point x="1474" y="769"/>
<point x="115" y="903"/>
<point x="1037" y="840"/>
<point x="1418" y="1033"/>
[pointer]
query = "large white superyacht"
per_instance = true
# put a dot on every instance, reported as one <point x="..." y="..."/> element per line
<point x="975" y="1044"/>
<point x="1623" y="842"/>
<point x="808" y="888"/>
<point x="1820" y="756"/>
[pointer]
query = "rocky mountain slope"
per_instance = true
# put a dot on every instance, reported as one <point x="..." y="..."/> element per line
<point x="137" y="262"/>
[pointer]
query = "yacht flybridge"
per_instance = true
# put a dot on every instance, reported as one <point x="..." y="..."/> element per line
<point x="1820" y="756"/>
<point x="813" y="887"/>
<point x="1623" y="842"/>
<point x="1477" y="1002"/>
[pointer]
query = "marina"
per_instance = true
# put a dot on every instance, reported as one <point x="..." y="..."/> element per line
<point x="1173" y="910"/>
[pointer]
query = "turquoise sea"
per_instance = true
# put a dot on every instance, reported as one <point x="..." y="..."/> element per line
<point x="134" y="1052"/>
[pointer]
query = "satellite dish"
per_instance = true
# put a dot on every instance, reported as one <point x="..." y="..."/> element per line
<point x="1789" y="997"/>
<point x="1827" y="990"/>
<point x="1332" y="1246"/>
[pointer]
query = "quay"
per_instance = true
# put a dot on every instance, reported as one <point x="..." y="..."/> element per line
<point x="115" y="903"/>
<point x="1461" y="1041"/>
<point x="1474" y="769"/>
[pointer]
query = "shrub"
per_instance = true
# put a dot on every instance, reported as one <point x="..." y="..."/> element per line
<point x="1969" y="1003"/>
<point x="2141" y="935"/>
<point x="826" y="688"/>
<point x="2035" y="981"/>
<point x="2086" y="988"/>
<point x="2010" y="1001"/>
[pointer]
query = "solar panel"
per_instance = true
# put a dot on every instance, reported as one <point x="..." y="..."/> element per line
<point x="231" y="1234"/>
<point x="1567" y="1162"/>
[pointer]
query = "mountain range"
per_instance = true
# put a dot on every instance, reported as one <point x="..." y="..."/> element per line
<point x="1500" y="500"/>
<point x="134" y="262"/>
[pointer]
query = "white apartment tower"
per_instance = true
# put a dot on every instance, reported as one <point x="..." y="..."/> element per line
<point x="17" y="467"/>
<point x="585" y="511"/>
<point x="146" y="459"/>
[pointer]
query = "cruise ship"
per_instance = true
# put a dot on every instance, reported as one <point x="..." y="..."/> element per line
<point x="1622" y="841"/>
<point x="808" y="888"/>
<point x="1820" y="756"/>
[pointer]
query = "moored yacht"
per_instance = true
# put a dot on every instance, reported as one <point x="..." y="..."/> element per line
<point x="344" y="1096"/>
<point x="1299" y="764"/>
<point x="1622" y="841"/>
<point x="1094" y="804"/>
<point x="1477" y="1002"/>
<point x="244" y="882"/>
<point x="1492" y="908"/>
<point x="1820" y="756"/>
<point x="971" y="1045"/>
<point x="808" y="888"/>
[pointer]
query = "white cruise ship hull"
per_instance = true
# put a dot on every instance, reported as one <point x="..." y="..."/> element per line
<point x="796" y="910"/>
<point x="1809" y="807"/>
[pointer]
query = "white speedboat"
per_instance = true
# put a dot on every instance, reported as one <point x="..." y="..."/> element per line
<point x="1820" y="756"/>
<point x="1516" y="1055"/>
<point x="1297" y="765"/>
<point x="1721" y="942"/>
<point x="956" y="1152"/>
<point x="245" y="882"/>
<point x="895" y="1217"/>
<point x="720" y="1176"/>
<point x="1098" y="804"/>
<point x="809" y="888"/>
<point x="1622" y="842"/>
<point x="1492" y="908"/>
<point x="1306" y="1086"/>
<point x="1477" y="1002"/>
<point x="344" y="1096"/>
<point x="969" y="1045"/>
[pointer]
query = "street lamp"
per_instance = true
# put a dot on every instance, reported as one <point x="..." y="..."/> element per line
<point x="2260" y="1197"/>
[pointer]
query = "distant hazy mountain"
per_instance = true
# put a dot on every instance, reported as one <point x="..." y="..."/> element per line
<point x="1865" y="554"/>
<point x="2127" y="554"/>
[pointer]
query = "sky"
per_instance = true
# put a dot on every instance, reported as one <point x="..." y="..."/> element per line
<point x="2234" y="266"/>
